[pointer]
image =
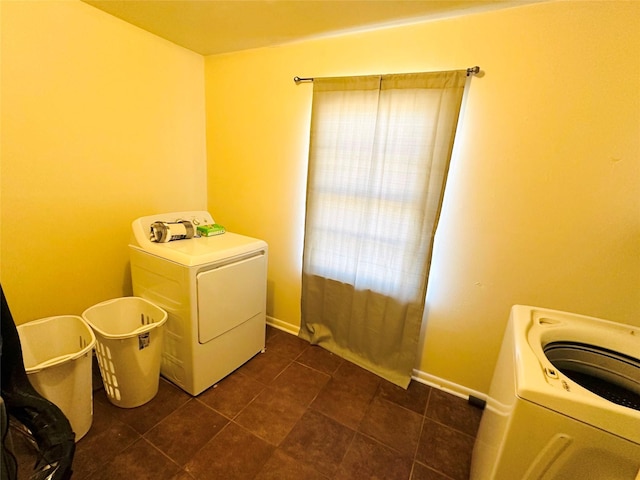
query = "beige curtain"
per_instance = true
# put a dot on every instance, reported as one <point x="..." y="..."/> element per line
<point x="378" y="160"/>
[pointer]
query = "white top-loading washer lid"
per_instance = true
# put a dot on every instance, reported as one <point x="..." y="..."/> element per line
<point x="193" y="251"/>
<point x="539" y="381"/>
<point x="198" y="251"/>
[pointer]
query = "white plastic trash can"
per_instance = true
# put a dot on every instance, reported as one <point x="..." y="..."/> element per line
<point x="128" y="346"/>
<point x="57" y="359"/>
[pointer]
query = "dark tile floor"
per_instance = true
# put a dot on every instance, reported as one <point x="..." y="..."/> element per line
<point x="294" y="412"/>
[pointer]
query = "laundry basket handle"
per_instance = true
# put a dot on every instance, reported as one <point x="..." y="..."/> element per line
<point x="143" y="329"/>
<point x="53" y="361"/>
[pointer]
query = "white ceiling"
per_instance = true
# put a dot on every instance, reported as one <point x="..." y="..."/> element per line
<point x="220" y="26"/>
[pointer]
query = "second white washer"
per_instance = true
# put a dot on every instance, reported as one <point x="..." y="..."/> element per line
<point x="564" y="402"/>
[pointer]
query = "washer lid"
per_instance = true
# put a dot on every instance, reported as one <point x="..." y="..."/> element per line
<point x="198" y="251"/>
<point x="540" y="381"/>
<point x="193" y="251"/>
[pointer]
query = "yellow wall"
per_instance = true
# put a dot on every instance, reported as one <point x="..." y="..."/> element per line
<point x="101" y="123"/>
<point x="543" y="201"/>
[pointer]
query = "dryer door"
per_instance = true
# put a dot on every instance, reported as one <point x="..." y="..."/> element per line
<point x="230" y="295"/>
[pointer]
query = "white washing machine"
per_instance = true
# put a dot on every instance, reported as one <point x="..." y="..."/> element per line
<point x="214" y="291"/>
<point x="564" y="402"/>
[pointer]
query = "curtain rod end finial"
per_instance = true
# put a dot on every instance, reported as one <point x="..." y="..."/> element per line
<point x="473" y="70"/>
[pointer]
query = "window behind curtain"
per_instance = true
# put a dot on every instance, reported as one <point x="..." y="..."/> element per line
<point x="379" y="152"/>
<point x="366" y="216"/>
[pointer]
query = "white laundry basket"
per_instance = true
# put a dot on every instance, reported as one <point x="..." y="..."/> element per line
<point x="129" y="344"/>
<point x="57" y="359"/>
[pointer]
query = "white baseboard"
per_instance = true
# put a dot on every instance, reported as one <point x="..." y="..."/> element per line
<point x="284" y="326"/>
<point x="446" y="386"/>
<point x="418" y="375"/>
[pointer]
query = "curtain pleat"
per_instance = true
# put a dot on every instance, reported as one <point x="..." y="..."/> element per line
<point x="380" y="148"/>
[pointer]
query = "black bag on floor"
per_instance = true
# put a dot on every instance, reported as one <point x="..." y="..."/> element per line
<point x="50" y="428"/>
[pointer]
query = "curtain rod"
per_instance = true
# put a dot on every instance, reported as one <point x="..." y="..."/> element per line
<point x="470" y="71"/>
